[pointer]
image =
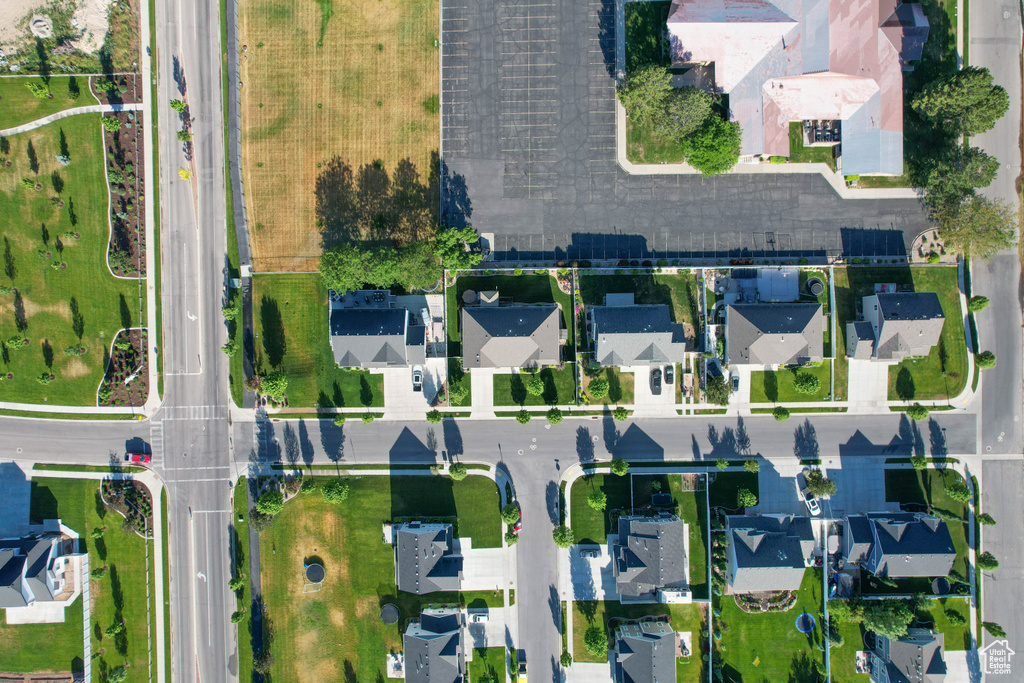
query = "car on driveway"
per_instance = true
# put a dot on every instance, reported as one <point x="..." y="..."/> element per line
<point x="141" y="458"/>
<point x="735" y="381"/>
<point x="417" y="378"/>
<point x="670" y="374"/>
<point x="808" y="498"/>
<point x="590" y="553"/>
<point x="656" y="381"/>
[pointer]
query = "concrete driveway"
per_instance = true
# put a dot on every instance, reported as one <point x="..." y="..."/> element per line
<point x="860" y="486"/>
<point x="592" y="577"/>
<point x="489" y="633"/>
<point x="743" y="395"/>
<point x="648" y="404"/>
<point x="482" y="390"/>
<point x="777" y="488"/>
<point x="483" y="569"/>
<point x="868" y="385"/>
<point x="399" y="398"/>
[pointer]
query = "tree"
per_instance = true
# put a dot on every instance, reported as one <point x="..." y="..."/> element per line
<point x="597" y="500"/>
<point x="620" y="414"/>
<point x="237" y="584"/>
<point x="595" y="641"/>
<point x="955" y="617"/>
<point x="178" y="106"/>
<point x="184" y="136"/>
<point x="458" y="391"/>
<point x="964" y="102"/>
<point x="230" y="347"/>
<point x="434" y="416"/>
<point x="510" y="513"/>
<point x="349" y="267"/>
<point x="523" y="417"/>
<point x="114" y="629"/>
<point x="40" y="91"/>
<point x="956" y="174"/>
<point x="511" y="538"/>
<point x="994" y="629"/>
<point x="98" y="573"/>
<point x="986" y="519"/>
<point x="554" y="416"/>
<point x="684" y="111"/>
<point x="985" y="360"/>
<point x="958" y="491"/>
<point x="111" y="123"/>
<point x="335" y="491"/>
<point x="563" y="536"/>
<point x="917" y="412"/>
<point x="806" y="383"/>
<point x="566" y="660"/>
<point x="752" y="465"/>
<point x="118" y="674"/>
<point x="987" y="562"/>
<point x="450" y="246"/>
<point x="919" y="462"/>
<point x="262" y="662"/>
<point x="457" y="471"/>
<point x="274" y="385"/>
<point x="781" y="414"/>
<point x="888" y="617"/>
<point x="818" y="485"/>
<point x="717" y="390"/>
<point x="535" y="386"/>
<point x="644" y="92"/>
<point x="977" y="304"/>
<point x="308" y="485"/>
<point x="745" y="498"/>
<point x="715" y="147"/>
<point x="184" y="174"/>
<point x="845" y="610"/>
<point x="620" y="467"/>
<point x="978" y="227"/>
<point x="270" y="503"/>
<point x="230" y="312"/>
<point x="238" y="616"/>
<point x="721" y="464"/>
<point x="598" y="388"/>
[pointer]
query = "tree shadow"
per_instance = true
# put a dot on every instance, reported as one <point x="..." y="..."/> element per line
<point x="742" y="438"/>
<point x="20" y="319"/>
<point x="57" y="181"/>
<point x="33" y="159"/>
<point x="126" y="313"/>
<point x="584" y="445"/>
<point x="938" y="439"/>
<point x="101" y="547"/>
<point x="365" y="392"/>
<point x="614" y="385"/>
<point x="272" y="324"/>
<point x="905" y="388"/>
<point x="517" y="389"/>
<point x="72" y="216"/>
<point x="77" y="318"/>
<point x="805" y="442"/>
<point x="44" y="234"/>
<point x="550" y="393"/>
<point x="771" y="386"/>
<point x="63" y="143"/>
<point x="44" y="61"/>
<point x="47" y="354"/>
<point x="456" y="206"/>
<point x="10" y="267"/>
<point x="551" y="499"/>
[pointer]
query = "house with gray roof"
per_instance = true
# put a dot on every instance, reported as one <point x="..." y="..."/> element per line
<point x="895" y="325"/>
<point x="432" y="647"/>
<point x="767" y="552"/>
<point x="774" y="334"/>
<point x="898" y="544"/>
<point x="627" y="334"/>
<point x="367" y="330"/>
<point x="425" y="561"/>
<point x="43" y="567"/>
<point x="511" y="336"/>
<point x="916" y="657"/>
<point x="645" y="652"/>
<point x="648" y="557"/>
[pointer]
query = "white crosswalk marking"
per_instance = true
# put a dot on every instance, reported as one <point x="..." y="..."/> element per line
<point x="156" y="443"/>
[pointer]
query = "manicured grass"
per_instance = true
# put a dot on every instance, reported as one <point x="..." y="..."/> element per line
<point x="593" y="526"/>
<point x="842" y="661"/>
<point x="119" y="594"/>
<point x="559" y="388"/>
<point x="778" y="386"/>
<point x="290" y="321"/>
<point x="489" y="659"/>
<point x="240" y="529"/>
<point x="645" y="28"/>
<point x="523" y="289"/>
<point x="620" y="386"/>
<point x="337" y="631"/>
<point x="20" y="106"/>
<point x="680" y="291"/>
<point x="683" y="618"/>
<point x="767" y="646"/>
<point x="645" y="146"/>
<point x="808" y="155"/>
<point x="723" y="490"/>
<point x="928" y="488"/>
<point x="42" y="309"/>
<point x="934" y="615"/>
<point x="883" y="181"/>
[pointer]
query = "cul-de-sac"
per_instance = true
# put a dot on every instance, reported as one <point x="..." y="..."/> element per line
<point x="495" y="341"/>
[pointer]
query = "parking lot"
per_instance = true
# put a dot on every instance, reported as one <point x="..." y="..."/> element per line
<point x="528" y="136"/>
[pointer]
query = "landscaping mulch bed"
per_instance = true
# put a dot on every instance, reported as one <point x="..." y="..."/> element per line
<point x="131" y="500"/>
<point x="126" y="89"/>
<point x="124" y="362"/>
<point x="127" y="248"/>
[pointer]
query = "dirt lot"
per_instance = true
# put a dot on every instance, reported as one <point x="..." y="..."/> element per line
<point x="322" y="80"/>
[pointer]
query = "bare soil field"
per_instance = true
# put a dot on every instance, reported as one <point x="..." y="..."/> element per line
<point x="353" y="83"/>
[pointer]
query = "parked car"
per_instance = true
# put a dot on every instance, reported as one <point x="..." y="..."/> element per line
<point x="522" y="665"/>
<point x="480" y="618"/>
<point x="141" y="458"/>
<point x="656" y="381"/>
<point x="589" y="553"/>
<point x="809" y="499"/>
<point x="735" y="381"/>
<point x="518" y="526"/>
<point x="670" y="374"/>
<point x="417" y="378"/>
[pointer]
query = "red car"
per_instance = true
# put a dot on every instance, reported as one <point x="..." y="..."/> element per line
<point x="518" y="526"/>
<point x="138" y="457"/>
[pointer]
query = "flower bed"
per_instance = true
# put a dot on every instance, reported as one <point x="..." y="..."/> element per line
<point x="754" y="603"/>
<point x="128" y="358"/>
<point x="127" y="249"/>
<point x="131" y="500"/>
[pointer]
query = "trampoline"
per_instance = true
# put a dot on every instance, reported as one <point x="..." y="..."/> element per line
<point x="940" y="586"/>
<point x="805" y="623"/>
<point x="389" y="613"/>
<point x="314" y="577"/>
<point x="815" y="286"/>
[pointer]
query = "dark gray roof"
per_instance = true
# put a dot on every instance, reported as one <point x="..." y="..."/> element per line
<point x="774" y="334"/>
<point x="374" y="338"/>
<point x="432" y="648"/>
<point x="860" y="339"/>
<point x="11" y="565"/>
<point x="857" y="538"/>
<point x="636" y="335"/>
<point x="914" y="658"/>
<point x="768" y="553"/>
<point x="649" y="554"/>
<point x="909" y="323"/>
<point x="510" y="336"/>
<point x="645" y="653"/>
<point x="910" y="544"/>
<point x="907" y="30"/>
<point x="24" y="563"/>
<point x="424" y="562"/>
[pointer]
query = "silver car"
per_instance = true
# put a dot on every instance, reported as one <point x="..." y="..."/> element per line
<point x="809" y="499"/>
<point x="417" y="378"/>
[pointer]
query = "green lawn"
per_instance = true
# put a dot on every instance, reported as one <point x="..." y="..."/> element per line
<point x="620" y="386"/>
<point x="559" y="388"/>
<point x="808" y="155"/>
<point x="119" y="594"/>
<point x="767" y="646"/>
<point x="645" y="146"/>
<point x="526" y="289"/>
<point x="82" y="305"/>
<point x="935" y="615"/>
<point x="290" y="317"/>
<point x="683" y="618"/>
<point x="777" y="386"/>
<point x="487" y="660"/>
<point x="593" y="526"/>
<point x="845" y="312"/>
<point x="928" y="488"/>
<point x="680" y="291"/>
<point x="722" y="491"/>
<point x="336" y="633"/>
<point x="645" y="28"/>
<point x="883" y="181"/>
<point x="240" y="528"/>
<point x="842" y="661"/>
<point x="21" y="106"/>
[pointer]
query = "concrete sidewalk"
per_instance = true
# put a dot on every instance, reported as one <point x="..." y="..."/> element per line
<point x="75" y="111"/>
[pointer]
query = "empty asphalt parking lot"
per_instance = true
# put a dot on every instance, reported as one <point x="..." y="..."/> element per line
<point x="528" y="143"/>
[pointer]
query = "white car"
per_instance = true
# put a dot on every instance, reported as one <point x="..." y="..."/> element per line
<point x="808" y="498"/>
<point x="417" y="378"/>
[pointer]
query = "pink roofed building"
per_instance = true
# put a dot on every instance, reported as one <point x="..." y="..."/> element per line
<point x="834" y="65"/>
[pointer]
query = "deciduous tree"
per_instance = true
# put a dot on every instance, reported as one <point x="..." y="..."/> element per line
<point x="644" y="92"/>
<point x="715" y="147"/>
<point x="964" y="102"/>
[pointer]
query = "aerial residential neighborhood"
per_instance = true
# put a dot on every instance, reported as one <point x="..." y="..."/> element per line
<point x="648" y="341"/>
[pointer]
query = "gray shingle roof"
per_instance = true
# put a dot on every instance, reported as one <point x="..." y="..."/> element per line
<point x="649" y="554"/>
<point x="909" y="323"/>
<point x="373" y="338"/>
<point x="510" y="336"/>
<point x="774" y="334"/>
<point x="914" y="658"/>
<point x="857" y="538"/>
<point x="645" y="653"/>
<point x="860" y="339"/>
<point x="910" y="544"/>
<point x="636" y="335"/>
<point x="768" y="553"/>
<point x="24" y="563"/>
<point x="424" y="562"/>
<point x="11" y="567"/>
<point x="433" y="648"/>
